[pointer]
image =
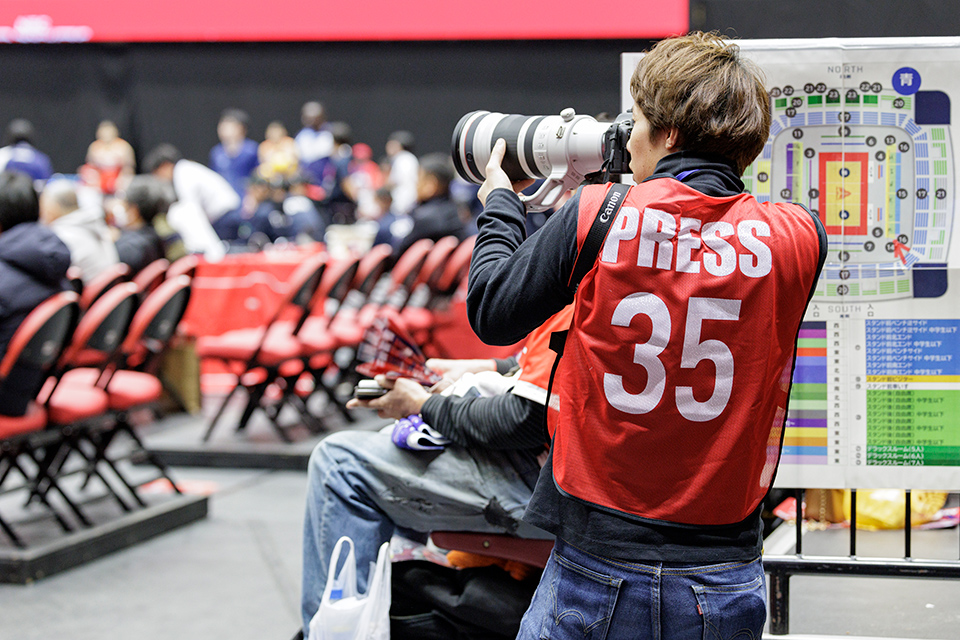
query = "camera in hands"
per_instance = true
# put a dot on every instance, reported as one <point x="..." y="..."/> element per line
<point x="560" y="149"/>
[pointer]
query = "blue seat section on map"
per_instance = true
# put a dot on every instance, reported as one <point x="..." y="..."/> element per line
<point x="931" y="107"/>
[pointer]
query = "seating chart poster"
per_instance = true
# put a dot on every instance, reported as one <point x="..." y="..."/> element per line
<point x="861" y="135"/>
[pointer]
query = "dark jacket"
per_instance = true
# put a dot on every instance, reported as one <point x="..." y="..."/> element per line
<point x="137" y="248"/>
<point x="434" y="219"/>
<point x="33" y="263"/>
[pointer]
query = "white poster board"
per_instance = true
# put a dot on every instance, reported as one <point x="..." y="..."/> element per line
<point x="861" y="135"/>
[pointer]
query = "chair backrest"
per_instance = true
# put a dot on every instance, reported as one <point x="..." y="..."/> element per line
<point x="335" y="283"/>
<point x="435" y="261"/>
<point x="302" y="285"/>
<point x="408" y="267"/>
<point x="185" y="266"/>
<point x="150" y="277"/>
<point x="40" y="338"/>
<point x="456" y="268"/>
<point x="109" y="277"/>
<point x="155" y="322"/>
<point x="102" y="328"/>
<point x="75" y="278"/>
<point x="372" y="266"/>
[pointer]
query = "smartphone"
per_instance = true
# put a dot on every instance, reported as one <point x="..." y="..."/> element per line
<point x="368" y="389"/>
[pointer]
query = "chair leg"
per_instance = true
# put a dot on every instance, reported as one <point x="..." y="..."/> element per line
<point x="254" y="395"/>
<point x="14" y="538"/>
<point x="45" y="481"/>
<point x="100" y="455"/>
<point x="161" y="466"/>
<point x="314" y="423"/>
<point x="11" y="464"/>
<point x="216" y="418"/>
<point x="75" y="442"/>
<point x="100" y="451"/>
<point x="4" y="525"/>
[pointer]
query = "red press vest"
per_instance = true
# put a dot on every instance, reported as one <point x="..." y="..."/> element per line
<point x="536" y="363"/>
<point x="676" y="372"/>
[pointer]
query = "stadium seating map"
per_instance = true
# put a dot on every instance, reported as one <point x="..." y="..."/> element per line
<point x="861" y="135"/>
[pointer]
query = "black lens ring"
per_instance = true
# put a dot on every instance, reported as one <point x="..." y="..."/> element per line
<point x="458" y="158"/>
<point x="509" y="129"/>
<point x="528" y="146"/>
<point x="469" y="156"/>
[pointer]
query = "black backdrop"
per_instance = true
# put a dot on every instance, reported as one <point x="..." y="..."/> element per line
<point x="175" y="92"/>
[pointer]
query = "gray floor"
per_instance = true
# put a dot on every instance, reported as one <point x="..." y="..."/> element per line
<point x="235" y="575"/>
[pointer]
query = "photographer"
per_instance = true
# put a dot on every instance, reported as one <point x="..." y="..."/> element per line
<point x="660" y="461"/>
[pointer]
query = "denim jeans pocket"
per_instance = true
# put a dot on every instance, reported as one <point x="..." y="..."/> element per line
<point x="732" y="611"/>
<point x="583" y="601"/>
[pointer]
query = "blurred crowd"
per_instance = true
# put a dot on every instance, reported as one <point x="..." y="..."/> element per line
<point x="318" y="184"/>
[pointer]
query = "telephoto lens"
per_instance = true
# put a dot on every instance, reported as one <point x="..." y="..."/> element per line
<point x="559" y="149"/>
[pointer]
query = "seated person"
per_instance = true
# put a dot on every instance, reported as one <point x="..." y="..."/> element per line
<point x="83" y="229"/>
<point x="33" y="263"/>
<point x="20" y="154"/>
<point x="235" y="158"/>
<point x="277" y="154"/>
<point x="362" y="485"/>
<point x="109" y="157"/>
<point x="203" y="200"/>
<point x="139" y="244"/>
<point x="436" y="214"/>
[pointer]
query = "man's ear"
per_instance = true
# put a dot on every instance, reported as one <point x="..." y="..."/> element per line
<point x="673" y="140"/>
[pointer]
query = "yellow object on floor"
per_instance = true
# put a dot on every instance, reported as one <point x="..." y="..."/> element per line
<point x="886" y="508"/>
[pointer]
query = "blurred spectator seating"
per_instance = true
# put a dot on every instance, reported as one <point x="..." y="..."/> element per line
<point x="36" y="345"/>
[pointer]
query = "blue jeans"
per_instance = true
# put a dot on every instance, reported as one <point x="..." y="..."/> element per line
<point x="362" y="485"/>
<point x="587" y="597"/>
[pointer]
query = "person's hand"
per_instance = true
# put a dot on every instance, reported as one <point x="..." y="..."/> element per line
<point x="496" y="177"/>
<point x="406" y="397"/>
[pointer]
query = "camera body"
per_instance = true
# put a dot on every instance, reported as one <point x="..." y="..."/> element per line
<point x="561" y="150"/>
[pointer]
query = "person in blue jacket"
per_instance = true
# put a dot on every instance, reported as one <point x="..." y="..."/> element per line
<point x="20" y="154"/>
<point x="33" y="266"/>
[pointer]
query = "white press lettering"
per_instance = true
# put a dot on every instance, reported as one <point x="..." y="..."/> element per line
<point x="687" y="243"/>
<point x="656" y="235"/>
<point x="624" y="228"/>
<point x="760" y="264"/>
<point x="723" y="260"/>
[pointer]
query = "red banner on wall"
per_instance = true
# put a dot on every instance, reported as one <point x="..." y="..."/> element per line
<point x="311" y="20"/>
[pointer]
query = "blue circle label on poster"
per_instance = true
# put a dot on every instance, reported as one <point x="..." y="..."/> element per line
<point x="906" y="81"/>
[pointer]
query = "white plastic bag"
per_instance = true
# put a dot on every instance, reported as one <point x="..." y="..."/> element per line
<point x="345" y="614"/>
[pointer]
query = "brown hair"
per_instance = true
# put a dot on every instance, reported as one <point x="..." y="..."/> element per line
<point x="700" y="85"/>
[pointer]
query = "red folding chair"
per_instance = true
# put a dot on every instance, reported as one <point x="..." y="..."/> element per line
<point x="185" y="266"/>
<point x="261" y="355"/>
<point x="128" y="380"/>
<point x="80" y="413"/>
<point x="345" y="286"/>
<point x="31" y="354"/>
<point x="456" y="269"/>
<point x="108" y="278"/>
<point x="316" y="345"/>
<point x="420" y="317"/>
<point x="75" y="278"/>
<point x="348" y="328"/>
<point x="150" y="277"/>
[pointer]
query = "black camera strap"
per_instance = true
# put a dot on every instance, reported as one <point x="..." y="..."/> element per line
<point x="616" y="195"/>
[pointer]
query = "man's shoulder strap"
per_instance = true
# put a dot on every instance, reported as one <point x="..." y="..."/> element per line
<point x="606" y="214"/>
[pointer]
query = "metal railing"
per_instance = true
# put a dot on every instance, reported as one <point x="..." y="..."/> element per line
<point x="782" y="567"/>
